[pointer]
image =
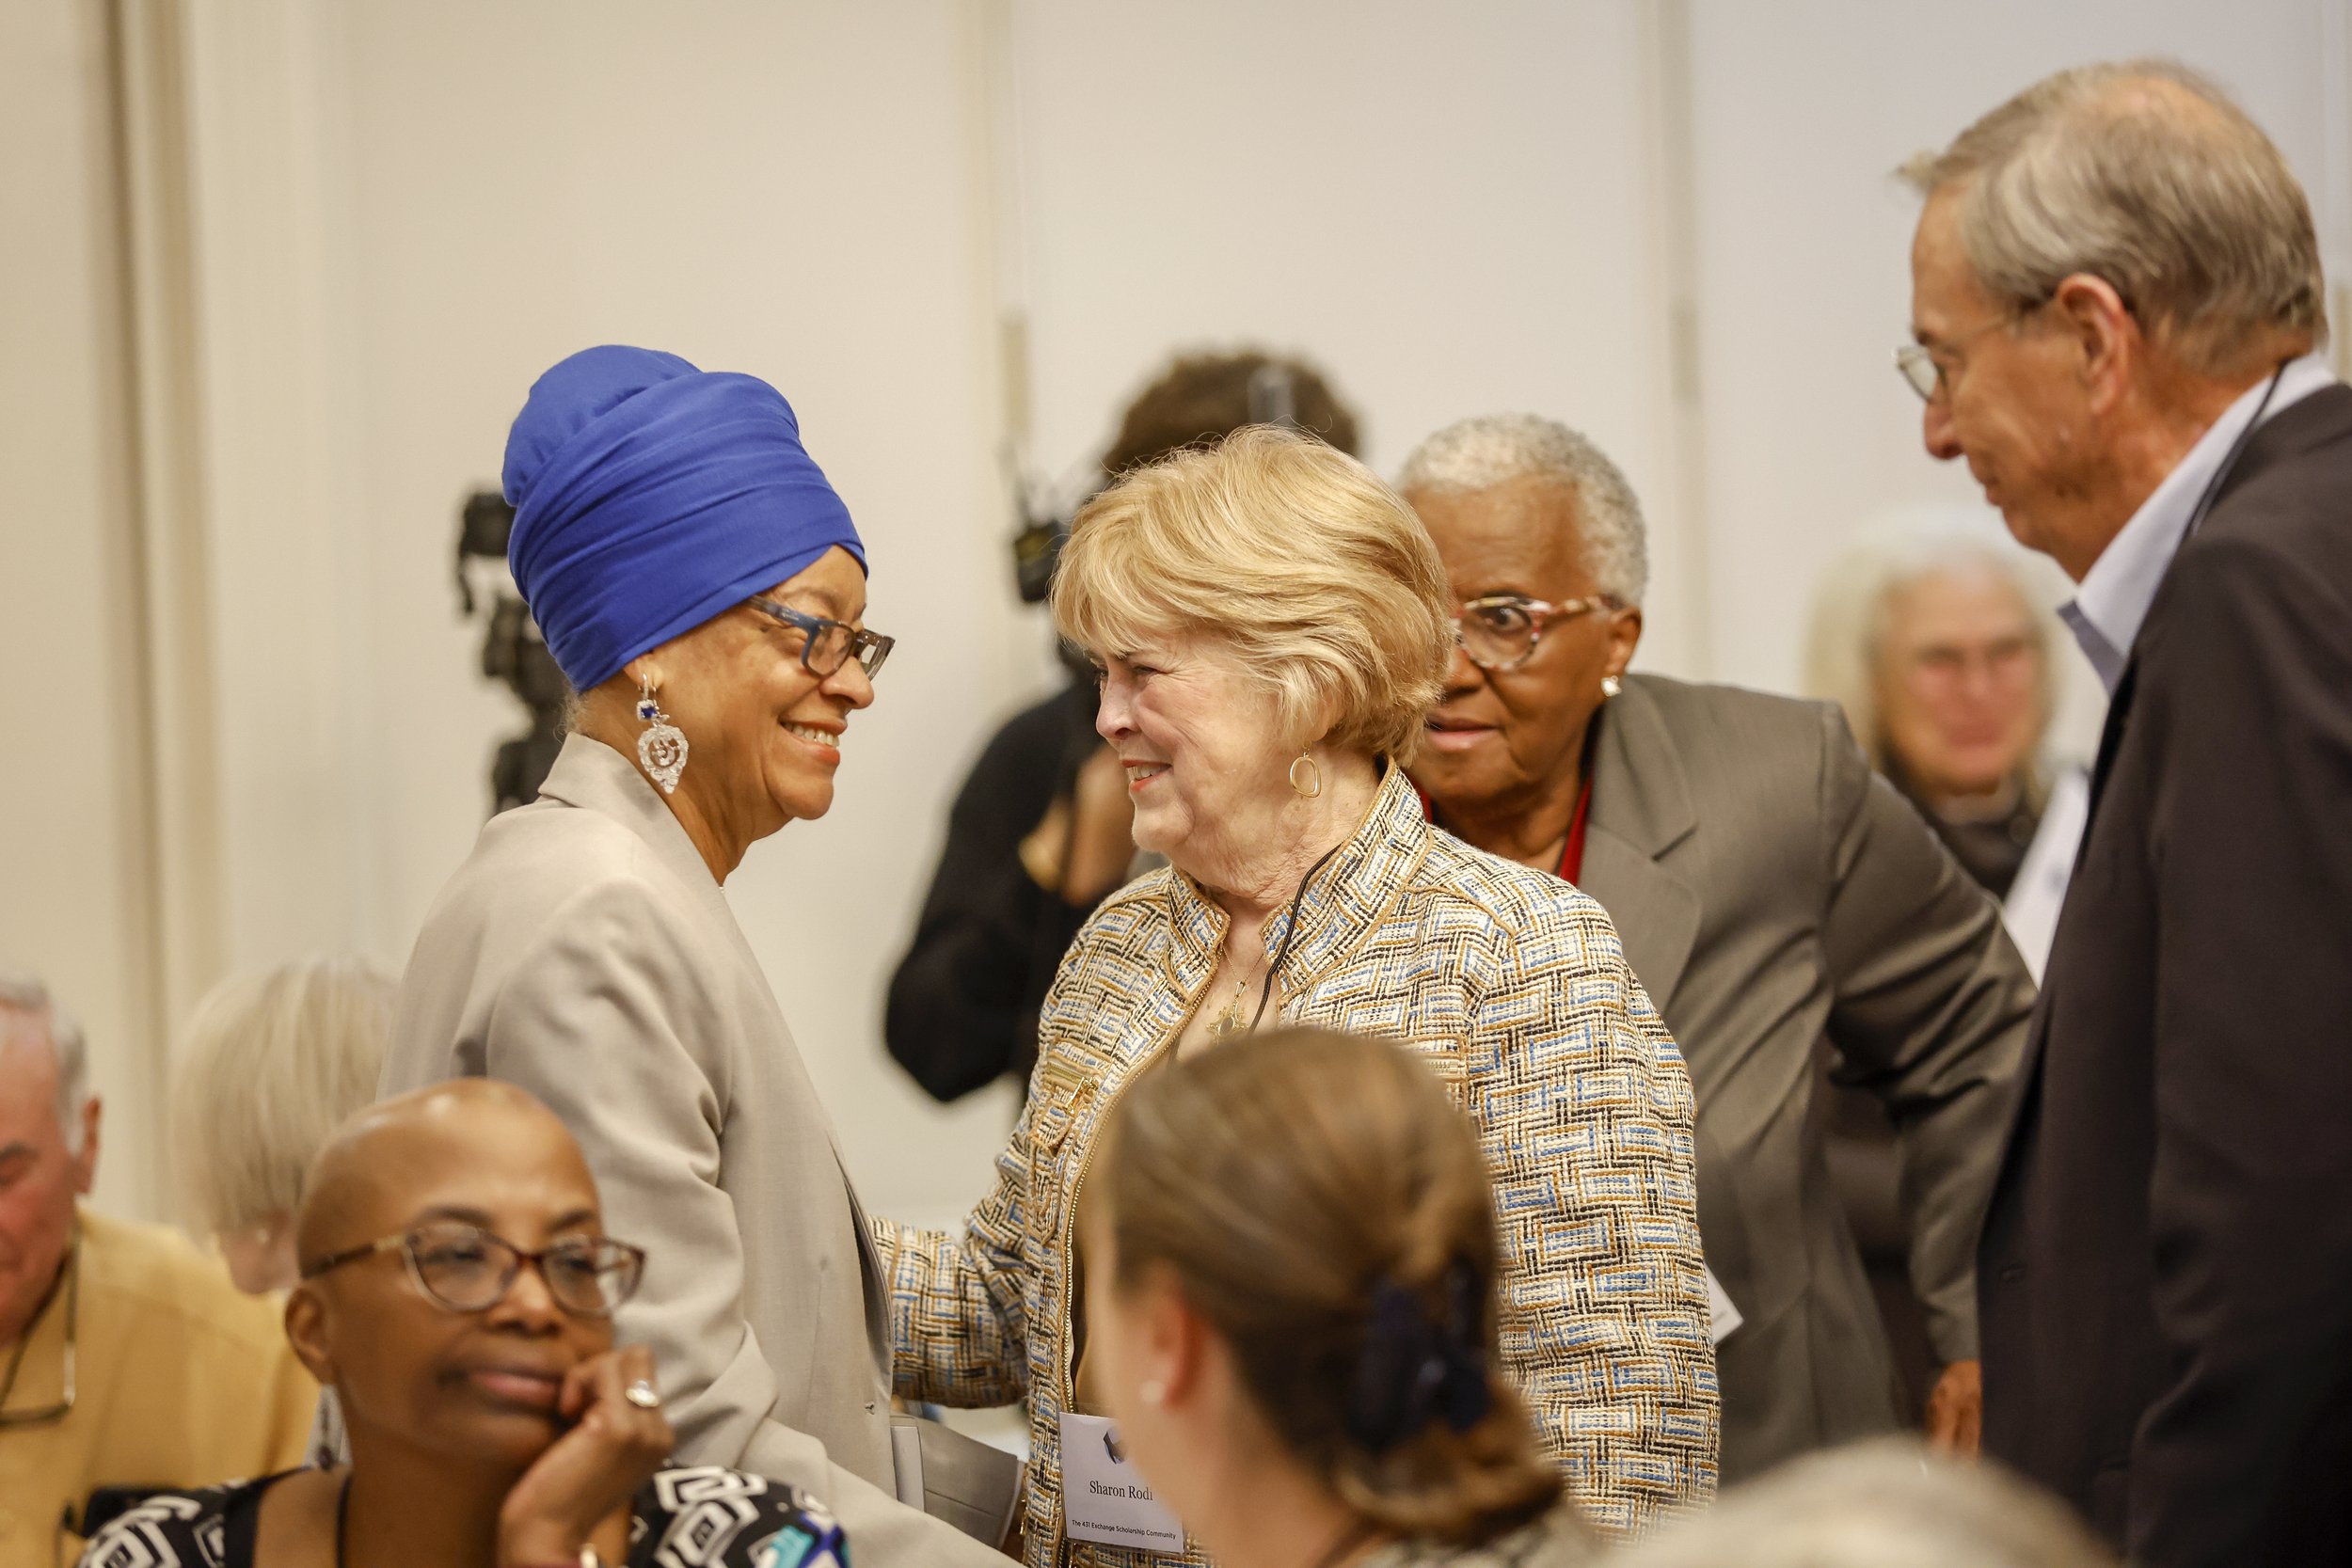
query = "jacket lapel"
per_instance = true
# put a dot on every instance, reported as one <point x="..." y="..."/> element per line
<point x="1641" y="811"/>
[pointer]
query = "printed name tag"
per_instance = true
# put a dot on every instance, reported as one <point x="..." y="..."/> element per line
<point x="1103" y="1499"/>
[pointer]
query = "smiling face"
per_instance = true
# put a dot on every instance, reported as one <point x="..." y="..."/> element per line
<point x="1206" y="767"/>
<point x="409" y="1370"/>
<point x="1502" y="741"/>
<point x="1959" y="681"/>
<point x="764" y="733"/>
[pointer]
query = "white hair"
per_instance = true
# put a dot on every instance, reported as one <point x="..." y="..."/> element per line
<point x="271" y="1065"/>
<point x="1495" y="449"/>
<point x="29" y="1000"/>
<point x="1890" y="1503"/>
<point x="2144" y="174"/>
<point x="1848" y="635"/>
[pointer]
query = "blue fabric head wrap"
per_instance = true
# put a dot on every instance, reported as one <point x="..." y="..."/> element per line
<point x="649" y="496"/>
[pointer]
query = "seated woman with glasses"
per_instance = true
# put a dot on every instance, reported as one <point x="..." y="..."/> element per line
<point x="457" y="1294"/>
<point x="701" y="587"/>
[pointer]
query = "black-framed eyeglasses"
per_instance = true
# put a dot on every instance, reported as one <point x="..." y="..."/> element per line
<point x="829" y="644"/>
<point x="1500" y="630"/>
<point x="466" y="1269"/>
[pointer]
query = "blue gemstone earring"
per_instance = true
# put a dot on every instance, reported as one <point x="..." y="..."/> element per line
<point x="661" y="749"/>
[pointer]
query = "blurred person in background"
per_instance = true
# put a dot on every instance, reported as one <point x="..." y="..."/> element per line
<point x="127" y="1359"/>
<point x="1933" y="638"/>
<point x="1298" y="1315"/>
<point x="1930" y="635"/>
<point x="1883" y="1504"/>
<point x="1038" y="833"/>
<point x="1272" y="623"/>
<point x="1781" y="904"/>
<point x="458" y="1294"/>
<point x="703" y="589"/>
<point x="272" y="1064"/>
<point x="2117" y="304"/>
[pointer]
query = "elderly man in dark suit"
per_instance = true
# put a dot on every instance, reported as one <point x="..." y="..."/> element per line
<point x="2116" y="293"/>
<point x="1782" y="905"/>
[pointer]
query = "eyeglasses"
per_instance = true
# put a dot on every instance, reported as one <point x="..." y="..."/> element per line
<point x="1924" y="371"/>
<point x="63" y="1405"/>
<point x="830" y="644"/>
<point x="1500" y="630"/>
<point x="466" y="1269"/>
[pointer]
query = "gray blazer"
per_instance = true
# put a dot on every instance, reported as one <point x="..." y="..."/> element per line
<point x="1782" y="905"/>
<point x="584" y="952"/>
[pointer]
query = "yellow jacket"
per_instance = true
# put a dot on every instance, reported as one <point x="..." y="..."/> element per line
<point x="179" y="1380"/>
<point x="1513" y="984"/>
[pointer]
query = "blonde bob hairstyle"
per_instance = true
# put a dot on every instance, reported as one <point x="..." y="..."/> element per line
<point x="272" y="1064"/>
<point x="1313" y="574"/>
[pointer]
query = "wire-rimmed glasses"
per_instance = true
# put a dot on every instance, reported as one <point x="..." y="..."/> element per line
<point x="828" y="645"/>
<point x="1500" y="630"/>
<point x="466" y="1269"/>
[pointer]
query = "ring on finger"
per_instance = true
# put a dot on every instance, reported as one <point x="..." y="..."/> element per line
<point x="642" y="1394"/>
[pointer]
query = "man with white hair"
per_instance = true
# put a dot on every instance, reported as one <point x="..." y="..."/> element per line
<point x="2116" y="293"/>
<point x="126" y="1359"/>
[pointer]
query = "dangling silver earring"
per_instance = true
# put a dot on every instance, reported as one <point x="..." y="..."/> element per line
<point x="1314" y="773"/>
<point x="661" y="749"/>
<point x="1611" y="686"/>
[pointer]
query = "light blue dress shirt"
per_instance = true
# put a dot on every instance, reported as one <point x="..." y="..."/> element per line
<point x="2106" y="611"/>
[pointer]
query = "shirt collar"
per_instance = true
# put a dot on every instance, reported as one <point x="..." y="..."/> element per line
<point x="2106" y="611"/>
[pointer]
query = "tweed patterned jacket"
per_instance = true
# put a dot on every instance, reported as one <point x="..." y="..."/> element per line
<point x="1513" y="985"/>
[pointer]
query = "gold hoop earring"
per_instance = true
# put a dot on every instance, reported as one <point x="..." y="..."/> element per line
<point x="1314" y="786"/>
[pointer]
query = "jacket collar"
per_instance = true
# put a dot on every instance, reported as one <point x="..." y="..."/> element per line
<point x="593" y="776"/>
<point x="1641" y="811"/>
<point x="1341" y="903"/>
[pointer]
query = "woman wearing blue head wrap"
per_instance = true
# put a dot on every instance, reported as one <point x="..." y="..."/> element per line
<point x="701" y="586"/>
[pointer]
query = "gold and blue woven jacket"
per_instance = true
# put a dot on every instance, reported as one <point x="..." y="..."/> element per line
<point x="1514" y="988"/>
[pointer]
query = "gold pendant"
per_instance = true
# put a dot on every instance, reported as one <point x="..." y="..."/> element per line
<point x="1226" y="1022"/>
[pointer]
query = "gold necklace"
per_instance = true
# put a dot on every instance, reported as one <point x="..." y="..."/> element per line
<point x="1230" y="1021"/>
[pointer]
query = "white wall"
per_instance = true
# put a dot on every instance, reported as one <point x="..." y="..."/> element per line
<point x="403" y="210"/>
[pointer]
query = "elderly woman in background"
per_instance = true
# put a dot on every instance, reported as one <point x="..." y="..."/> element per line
<point x="1271" y="624"/>
<point x="1298" y="1316"/>
<point x="1933" y="638"/>
<point x="703" y="590"/>
<point x="1781" y="906"/>
<point x="273" y="1062"/>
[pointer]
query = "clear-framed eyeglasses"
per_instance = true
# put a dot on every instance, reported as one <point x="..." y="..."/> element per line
<point x="828" y="645"/>
<point x="1927" y="368"/>
<point x="1501" y="631"/>
<point x="466" y="1269"/>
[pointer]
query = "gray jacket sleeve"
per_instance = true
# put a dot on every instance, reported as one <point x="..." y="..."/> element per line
<point x="1930" y="1009"/>
<point x="607" y="1020"/>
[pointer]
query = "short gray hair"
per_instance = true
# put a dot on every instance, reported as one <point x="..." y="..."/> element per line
<point x="26" y="997"/>
<point x="2142" y="173"/>
<point x="1495" y="449"/>
<point x="1887" y="1504"/>
<point x="272" y="1063"/>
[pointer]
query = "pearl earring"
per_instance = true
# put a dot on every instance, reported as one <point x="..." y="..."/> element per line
<point x="1610" y="686"/>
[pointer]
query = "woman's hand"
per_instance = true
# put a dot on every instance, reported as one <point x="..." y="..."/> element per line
<point x="612" y="1449"/>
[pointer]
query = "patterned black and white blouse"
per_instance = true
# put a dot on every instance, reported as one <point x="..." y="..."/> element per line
<point x="701" y="1518"/>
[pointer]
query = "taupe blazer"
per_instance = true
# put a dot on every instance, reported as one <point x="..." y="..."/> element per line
<point x="584" y="952"/>
<point x="1782" y="904"/>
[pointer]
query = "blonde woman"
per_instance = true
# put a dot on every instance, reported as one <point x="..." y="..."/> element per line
<point x="273" y="1062"/>
<point x="1271" y="624"/>
<point x="1297" y="1321"/>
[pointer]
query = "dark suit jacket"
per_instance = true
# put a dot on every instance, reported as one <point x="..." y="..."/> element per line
<point x="2166" y="1272"/>
<point x="1782" y="905"/>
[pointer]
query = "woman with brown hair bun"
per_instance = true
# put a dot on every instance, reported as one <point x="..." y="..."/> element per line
<point x="1292" y="1264"/>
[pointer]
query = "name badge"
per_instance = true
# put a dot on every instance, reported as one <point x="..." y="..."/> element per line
<point x="1103" y="1499"/>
